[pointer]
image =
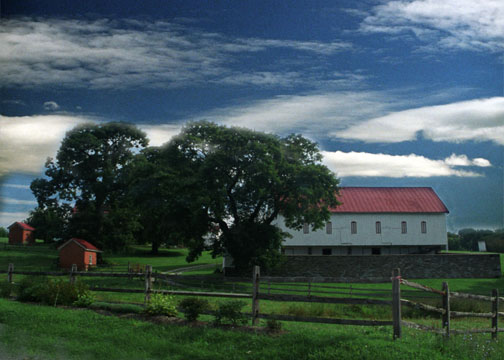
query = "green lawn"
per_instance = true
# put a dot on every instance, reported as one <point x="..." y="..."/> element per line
<point x="43" y="257"/>
<point x="310" y="341"/>
<point x="84" y="334"/>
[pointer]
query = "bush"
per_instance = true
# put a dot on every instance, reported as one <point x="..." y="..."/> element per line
<point x="51" y="292"/>
<point x="161" y="305"/>
<point x="29" y="288"/>
<point x="230" y="311"/>
<point x="84" y="300"/>
<point x="6" y="289"/>
<point x="193" y="307"/>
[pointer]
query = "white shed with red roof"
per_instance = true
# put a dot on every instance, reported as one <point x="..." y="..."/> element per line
<point x="374" y="221"/>
<point x="79" y="252"/>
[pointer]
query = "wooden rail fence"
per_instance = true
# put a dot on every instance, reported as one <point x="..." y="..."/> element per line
<point x="302" y="289"/>
<point x="447" y="314"/>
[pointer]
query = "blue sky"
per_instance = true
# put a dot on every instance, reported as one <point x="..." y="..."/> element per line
<point x="397" y="93"/>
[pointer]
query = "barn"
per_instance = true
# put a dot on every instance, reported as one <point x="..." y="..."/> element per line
<point x="376" y="221"/>
<point x="21" y="234"/>
<point x="79" y="252"/>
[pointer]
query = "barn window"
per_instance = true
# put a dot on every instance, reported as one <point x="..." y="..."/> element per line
<point x="349" y="251"/>
<point x="326" y="251"/>
<point x="404" y="227"/>
<point x="375" y="251"/>
<point x="328" y="227"/>
<point x="306" y="228"/>
<point x="423" y="226"/>
<point x="378" y="227"/>
<point x="309" y="251"/>
<point x="90" y="259"/>
<point x="353" y="227"/>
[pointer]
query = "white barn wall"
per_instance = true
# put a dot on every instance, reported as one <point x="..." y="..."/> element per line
<point x="366" y="231"/>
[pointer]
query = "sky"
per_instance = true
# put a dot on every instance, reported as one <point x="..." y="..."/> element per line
<point x="396" y="93"/>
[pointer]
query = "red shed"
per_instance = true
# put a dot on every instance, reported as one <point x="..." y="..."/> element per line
<point x="21" y="233"/>
<point x="79" y="252"/>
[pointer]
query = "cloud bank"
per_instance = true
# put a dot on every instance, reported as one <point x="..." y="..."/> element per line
<point x="118" y="54"/>
<point x="397" y="166"/>
<point x="28" y="141"/>
<point x="448" y="24"/>
<point x="477" y="120"/>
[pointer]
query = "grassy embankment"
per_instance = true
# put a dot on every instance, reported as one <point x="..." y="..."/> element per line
<point x="303" y="340"/>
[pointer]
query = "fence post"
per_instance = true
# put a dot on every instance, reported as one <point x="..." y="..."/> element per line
<point x="495" y="310"/>
<point x="446" y="307"/>
<point x="148" y="282"/>
<point x="396" y="302"/>
<point x="256" y="274"/>
<point x="73" y="270"/>
<point x="10" y="272"/>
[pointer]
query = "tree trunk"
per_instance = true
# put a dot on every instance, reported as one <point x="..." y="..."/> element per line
<point x="155" y="248"/>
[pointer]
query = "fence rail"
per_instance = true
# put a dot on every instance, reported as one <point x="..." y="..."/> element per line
<point x="261" y="290"/>
<point x="447" y="314"/>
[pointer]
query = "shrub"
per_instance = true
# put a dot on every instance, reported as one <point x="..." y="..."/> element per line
<point x="273" y="325"/>
<point x="6" y="289"/>
<point x="29" y="288"/>
<point x="51" y="292"/>
<point x="193" y="307"/>
<point x="230" y="311"/>
<point x="161" y="305"/>
<point x="84" y="300"/>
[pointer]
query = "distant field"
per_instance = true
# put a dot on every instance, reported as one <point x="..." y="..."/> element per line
<point x="43" y="257"/>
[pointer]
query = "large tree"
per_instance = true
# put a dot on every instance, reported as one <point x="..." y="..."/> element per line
<point x="168" y="198"/>
<point x="88" y="174"/>
<point x="241" y="181"/>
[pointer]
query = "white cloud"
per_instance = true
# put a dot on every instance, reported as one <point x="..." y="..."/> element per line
<point x="481" y="162"/>
<point x="16" y="186"/>
<point x="12" y="201"/>
<point x="313" y="115"/>
<point x="51" y="106"/>
<point x="478" y="120"/>
<point x="448" y="24"/>
<point x="8" y="218"/>
<point x="27" y="141"/>
<point x="463" y="160"/>
<point x="160" y="134"/>
<point x="126" y="53"/>
<point x="385" y="165"/>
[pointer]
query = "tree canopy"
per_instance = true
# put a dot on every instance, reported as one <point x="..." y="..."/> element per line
<point x="240" y="181"/>
<point x="87" y="176"/>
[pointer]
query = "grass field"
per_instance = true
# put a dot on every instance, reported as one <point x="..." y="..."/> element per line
<point x="83" y="334"/>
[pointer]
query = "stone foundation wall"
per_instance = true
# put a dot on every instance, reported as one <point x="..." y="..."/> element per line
<point x="379" y="267"/>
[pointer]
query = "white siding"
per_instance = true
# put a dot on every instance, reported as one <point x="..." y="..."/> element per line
<point x="366" y="231"/>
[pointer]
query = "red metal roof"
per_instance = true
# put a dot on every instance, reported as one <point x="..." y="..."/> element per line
<point x="22" y="225"/>
<point x="85" y="244"/>
<point x="389" y="200"/>
<point x="82" y="243"/>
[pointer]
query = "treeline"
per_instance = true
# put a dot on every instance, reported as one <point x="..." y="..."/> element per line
<point x="467" y="240"/>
